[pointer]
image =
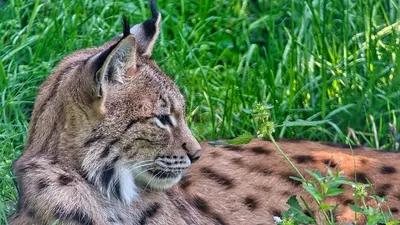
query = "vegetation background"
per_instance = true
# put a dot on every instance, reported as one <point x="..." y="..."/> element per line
<point x="328" y="68"/>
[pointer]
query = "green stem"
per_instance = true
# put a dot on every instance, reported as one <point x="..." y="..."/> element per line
<point x="298" y="172"/>
<point x="285" y="156"/>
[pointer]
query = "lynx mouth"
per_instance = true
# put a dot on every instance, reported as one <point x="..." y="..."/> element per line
<point x="162" y="174"/>
<point x="156" y="178"/>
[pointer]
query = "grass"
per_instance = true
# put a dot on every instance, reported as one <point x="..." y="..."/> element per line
<point x="326" y="67"/>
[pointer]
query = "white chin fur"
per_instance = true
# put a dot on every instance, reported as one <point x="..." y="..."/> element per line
<point x="146" y="181"/>
<point x="164" y="183"/>
<point x="128" y="188"/>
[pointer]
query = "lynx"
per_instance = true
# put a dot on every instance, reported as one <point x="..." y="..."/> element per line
<point x="108" y="144"/>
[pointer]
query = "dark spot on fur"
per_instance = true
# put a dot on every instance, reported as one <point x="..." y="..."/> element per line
<point x="215" y="154"/>
<point x="250" y="202"/>
<point x="130" y="124"/>
<point x="149" y="212"/>
<point x="64" y="179"/>
<point x="77" y="215"/>
<point x="127" y="148"/>
<point x="330" y="163"/>
<point x="31" y="212"/>
<point x="382" y="189"/>
<point x="33" y="165"/>
<point x="200" y="204"/>
<point x="219" y="220"/>
<point x="388" y="170"/>
<point x="163" y="104"/>
<point x="85" y="176"/>
<point x="93" y="139"/>
<point x="276" y="212"/>
<point x="362" y="178"/>
<point x="394" y="210"/>
<point x="29" y="166"/>
<point x="203" y="206"/>
<point x="260" y="168"/>
<point x="185" y="182"/>
<point x="237" y="160"/>
<point x="348" y="202"/>
<point x="111" y="220"/>
<point x="119" y="218"/>
<point x="107" y="149"/>
<point x="42" y="184"/>
<point x="303" y="158"/>
<point x="234" y="148"/>
<point x="53" y="160"/>
<point x="386" y="186"/>
<point x="364" y="161"/>
<point x="266" y="189"/>
<point x="108" y="172"/>
<point x="287" y="176"/>
<point x="260" y="150"/>
<point x="219" y="178"/>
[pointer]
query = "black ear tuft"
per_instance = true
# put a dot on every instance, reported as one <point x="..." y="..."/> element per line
<point x="150" y="24"/>
<point x="126" y="26"/>
<point x="153" y="8"/>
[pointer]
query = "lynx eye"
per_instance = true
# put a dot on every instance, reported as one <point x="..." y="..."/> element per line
<point x="165" y="120"/>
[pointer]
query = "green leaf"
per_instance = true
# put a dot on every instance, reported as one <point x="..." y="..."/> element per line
<point x="3" y="77"/>
<point x="357" y="209"/>
<point x="394" y="222"/>
<point x="380" y="199"/>
<point x="317" y="175"/>
<point x="294" y="204"/>
<point x="217" y="143"/>
<point x="351" y="183"/>
<point x="297" y="179"/>
<point x="325" y="207"/>
<point x="242" y="139"/>
<point x="296" y="212"/>
<point x="335" y="191"/>
<point x="315" y="193"/>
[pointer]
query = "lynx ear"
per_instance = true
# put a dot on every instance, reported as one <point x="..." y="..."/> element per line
<point x="112" y="64"/>
<point x="146" y="33"/>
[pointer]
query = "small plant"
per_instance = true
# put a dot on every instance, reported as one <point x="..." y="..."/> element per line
<point x="320" y="187"/>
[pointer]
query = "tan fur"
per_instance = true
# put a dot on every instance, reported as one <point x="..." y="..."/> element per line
<point x="98" y="121"/>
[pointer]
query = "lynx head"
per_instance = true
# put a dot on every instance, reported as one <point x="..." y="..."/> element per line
<point x="125" y="127"/>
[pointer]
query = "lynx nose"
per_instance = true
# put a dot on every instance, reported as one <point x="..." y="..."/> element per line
<point x="193" y="152"/>
<point x="193" y="158"/>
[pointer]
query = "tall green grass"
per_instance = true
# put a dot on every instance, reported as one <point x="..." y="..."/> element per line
<point x="326" y="67"/>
